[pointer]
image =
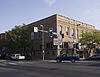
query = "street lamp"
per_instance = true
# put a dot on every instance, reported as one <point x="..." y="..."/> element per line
<point x="43" y="52"/>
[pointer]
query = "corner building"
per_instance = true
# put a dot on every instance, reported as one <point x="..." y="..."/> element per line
<point x="72" y="30"/>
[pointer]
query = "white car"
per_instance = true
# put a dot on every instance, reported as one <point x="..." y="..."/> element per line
<point x="17" y="57"/>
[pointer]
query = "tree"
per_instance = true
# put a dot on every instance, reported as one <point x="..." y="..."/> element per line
<point x="3" y="43"/>
<point x="91" y="39"/>
<point x="18" y="38"/>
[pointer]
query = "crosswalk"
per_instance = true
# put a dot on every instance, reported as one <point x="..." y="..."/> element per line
<point x="6" y="63"/>
<point x="9" y="62"/>
<point x="3" y="64"/>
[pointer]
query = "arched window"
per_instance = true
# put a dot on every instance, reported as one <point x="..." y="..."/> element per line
<point x="77" y="33"/>
<point x="72" y="32"/>
<point x="67" y="29"/>
<point x="60" y="29"/>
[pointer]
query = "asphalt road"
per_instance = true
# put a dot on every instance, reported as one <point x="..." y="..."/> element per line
<point x="49" y="69"/>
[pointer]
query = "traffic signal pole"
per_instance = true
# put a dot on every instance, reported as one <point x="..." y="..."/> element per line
<point x="43" y="52"/>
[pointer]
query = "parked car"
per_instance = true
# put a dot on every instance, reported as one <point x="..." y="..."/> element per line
<point x="2" y="56"/>
<point x="94" y="57"/>
<point x="66" y="57"/>
<point x="17" y="57"/>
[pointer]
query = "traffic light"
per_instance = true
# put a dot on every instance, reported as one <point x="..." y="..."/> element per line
<point x="62" y="35"/>
<point x="77" y="45"/>
<point x="50" y="31"/>
<point x="74" y="45"/>
<point x="50" y="34"/>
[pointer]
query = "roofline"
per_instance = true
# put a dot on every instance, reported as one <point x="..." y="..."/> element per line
<point x="61" y="16"/>
<point x="75" y="20"/>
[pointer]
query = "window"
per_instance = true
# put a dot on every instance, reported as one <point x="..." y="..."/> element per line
<point x="49" y="45"/>
<point x="48" y="52"/>
<point x="53" y="53"/>
<point x="40" y="35"/>
<point x="61" y="46"/>
<point x="77" y="33"/>
<point x="60" y="29"/>
<point x="32" y="35"/>
<point x="72" y="32"/>
<point x="65" y="44"/>
<point x="67" y="29"/>
<point x="40" y="47"/>
<point x="81" y="31"/>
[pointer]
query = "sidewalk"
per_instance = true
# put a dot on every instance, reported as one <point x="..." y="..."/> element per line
<point x="82" y="61"/>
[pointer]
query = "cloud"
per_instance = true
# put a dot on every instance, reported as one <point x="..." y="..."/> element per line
<point x="49" y="2"/>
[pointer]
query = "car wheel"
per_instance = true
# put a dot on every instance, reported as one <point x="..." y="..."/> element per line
<point x="73" y="60"/>
<point x="58" y="60"/>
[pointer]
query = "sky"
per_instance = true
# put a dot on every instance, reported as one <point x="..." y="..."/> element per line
<point x="18" y="12"/>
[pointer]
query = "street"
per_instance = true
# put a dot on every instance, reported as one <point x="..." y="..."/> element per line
<point x="49" y="69"/>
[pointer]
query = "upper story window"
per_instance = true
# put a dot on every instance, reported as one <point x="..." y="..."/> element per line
<point x="72" y="32"/>
<point x="77" y="33"/>
<point x="32" y="35"/>
<point x="67" y="29"/>
<point x="40" y="34"/>
<point x="81" y="32"/>
<point x="60" y="29"/>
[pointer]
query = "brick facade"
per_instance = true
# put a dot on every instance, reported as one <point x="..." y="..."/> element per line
<point x="55" y="21"/>
<point x="3" y="36"/>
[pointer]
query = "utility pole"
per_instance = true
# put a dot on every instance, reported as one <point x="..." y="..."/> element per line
<point x="43" y="52"/>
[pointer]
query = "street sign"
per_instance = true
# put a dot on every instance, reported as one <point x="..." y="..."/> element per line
<point x="57" y="41"/>
<point x="55" y="33"/>
<point x="35" y="29"/>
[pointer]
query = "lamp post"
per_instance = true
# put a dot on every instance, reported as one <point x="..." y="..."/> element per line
<point x="43" y="52"/>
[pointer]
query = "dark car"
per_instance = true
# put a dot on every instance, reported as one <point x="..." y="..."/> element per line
<point x="66" y="57"/>
<point x="94" y="57"/>
<point x="2" y="56"/>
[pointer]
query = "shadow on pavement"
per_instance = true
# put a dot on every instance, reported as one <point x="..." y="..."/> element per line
<point x="95" y="65"/>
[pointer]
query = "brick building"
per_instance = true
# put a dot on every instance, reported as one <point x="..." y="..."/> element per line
<point x="72" y="30"/>
<point x="3" y="36"/>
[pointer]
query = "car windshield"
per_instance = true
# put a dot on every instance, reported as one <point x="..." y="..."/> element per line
<point x="63" y="55"/>
<point x="18" y="54"/>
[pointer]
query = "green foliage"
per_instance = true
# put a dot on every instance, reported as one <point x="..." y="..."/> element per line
<point x="18" y="38"/>
<point x="90" y="38"/>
